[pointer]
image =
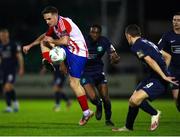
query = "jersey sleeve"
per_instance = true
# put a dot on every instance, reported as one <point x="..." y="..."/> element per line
<point x="140" y="50"/>
<point x="109" y="46"/>
<point x="65" y="27"/>
<point x="163" y="43"/>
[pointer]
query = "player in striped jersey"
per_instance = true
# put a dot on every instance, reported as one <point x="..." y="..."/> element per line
<point x="69" y="35"/>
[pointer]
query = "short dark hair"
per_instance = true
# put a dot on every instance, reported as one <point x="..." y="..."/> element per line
<point x="96" y="26"/>
<point x="133" y="30"/>
<point x="50" y="9"/>
<point x="176" y="13"/>
<point x="4" y="30"/>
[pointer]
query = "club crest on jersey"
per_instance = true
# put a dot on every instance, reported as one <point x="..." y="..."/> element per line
<point x="83" y="80"/>
<point x="140" y="54"/>
<point x="99" y="48"/>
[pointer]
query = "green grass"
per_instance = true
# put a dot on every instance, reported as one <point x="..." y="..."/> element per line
<point x="37" y="118"/>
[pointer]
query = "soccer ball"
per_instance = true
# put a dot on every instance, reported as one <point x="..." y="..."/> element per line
<point x="57" y="55"/>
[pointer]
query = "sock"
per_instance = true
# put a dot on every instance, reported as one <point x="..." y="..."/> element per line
<point x="13" y="95"/>
<point x="178" y="102"/>
<point x="148" y="108"/>
<point x="96" y="101"/>
<point x="83" y="102"/>
<point x="8" y="98"/>
<point x="46" y="56"/>
<point x="57" y="98"/>
<point x="131" y="116"/>
<point x="64" y="96"/>
<point x="107" y="109"/>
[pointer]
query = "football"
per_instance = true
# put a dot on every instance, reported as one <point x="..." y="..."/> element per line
<point x="57" y="55"/>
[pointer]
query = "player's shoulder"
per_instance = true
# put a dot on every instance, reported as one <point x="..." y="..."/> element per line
<point x="104" y="40"/>
<point x="168" y="33"/>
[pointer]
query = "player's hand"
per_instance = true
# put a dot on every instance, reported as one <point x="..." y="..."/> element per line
<point x="26" y="48"/>
<point x="115" y="58"/>
<point x="172" y="80"/>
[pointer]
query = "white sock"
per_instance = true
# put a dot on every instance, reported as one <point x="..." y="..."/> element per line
<point x="86" y="112"/>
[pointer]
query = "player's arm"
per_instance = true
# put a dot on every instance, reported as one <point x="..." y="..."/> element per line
<point x="37" y="41"/>
<point x="153" y="64"/>
<point x="61" y="41"/>
<point x="114" y="57"/>
<point x="20" y="60"/>
<point x="167" y="57"/>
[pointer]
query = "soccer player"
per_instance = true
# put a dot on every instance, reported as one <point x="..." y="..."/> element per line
<point x="170" y="43"/>
<point x="152" y="86"/>
<point x="94" y="76"/>
<point x="10" y="55"/>
<point x="69" y="35"/>
<point x="58" y="83"/>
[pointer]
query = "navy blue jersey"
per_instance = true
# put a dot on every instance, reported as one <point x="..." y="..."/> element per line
<point x="8" y="56"/>
<point x="143" y="48"/>
<point x="96" y="51"/>
<point x="170" y="42"/>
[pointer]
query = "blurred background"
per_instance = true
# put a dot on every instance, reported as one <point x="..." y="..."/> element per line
<point x="23" y="19"/>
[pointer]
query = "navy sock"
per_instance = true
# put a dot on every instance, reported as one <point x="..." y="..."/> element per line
<point x="107" y="109"/>
<point x="8" y="98"/>
<point x="64" y="96"/>
<point x="148" y="108"/>
<point x="131" y="116"/>
<point x="96" y="101"/>
<point x="13" y="95"/>
<point x="57" y="97"/>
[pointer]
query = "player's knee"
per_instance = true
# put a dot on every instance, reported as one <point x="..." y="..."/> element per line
<point x="8" y="87"/>
<point x="133" y="101"/>
<point x="74" y="83"/>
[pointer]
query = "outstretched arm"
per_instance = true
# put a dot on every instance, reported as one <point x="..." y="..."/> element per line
<point x="26" y="48"/>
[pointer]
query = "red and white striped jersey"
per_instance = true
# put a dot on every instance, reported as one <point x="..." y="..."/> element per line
<point x="66" y="27"/>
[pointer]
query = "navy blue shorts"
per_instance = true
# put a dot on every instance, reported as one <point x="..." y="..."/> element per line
<point x="153" y="87"/>
<point x="9" y="77"/>
<point x="95" y="79"/>
<point x="175" y="73"/>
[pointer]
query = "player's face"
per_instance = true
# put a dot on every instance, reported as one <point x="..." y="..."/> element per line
<point x="94" y="33"/>
<point x="176" y="22"/>
<point x="128" y="37"/>
<point x="51" y="19"/>
<point x="4" y="36"/>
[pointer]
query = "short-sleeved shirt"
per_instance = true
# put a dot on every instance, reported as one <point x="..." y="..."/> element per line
<point x="66" y="27"/>
<point x="8" y="56"/>
<point x="170" y="42"/>
<point x="96" y="51"/>
<point x="143" y="48"/>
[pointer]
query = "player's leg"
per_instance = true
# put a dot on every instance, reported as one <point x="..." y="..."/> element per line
<point x="134" y="102"/>
<point x="75" y="65"/>
<point x="82" y="99"/>
<point x="103" y="90"/>
<point x="87" y="82"/>
<point x="57" y="96"/>
<point x="176" y="96"/>
<point x="46" y="61"/>
<point x="9" y="91"/>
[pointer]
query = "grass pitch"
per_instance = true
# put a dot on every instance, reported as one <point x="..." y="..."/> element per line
<point x="37" y="118"/>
